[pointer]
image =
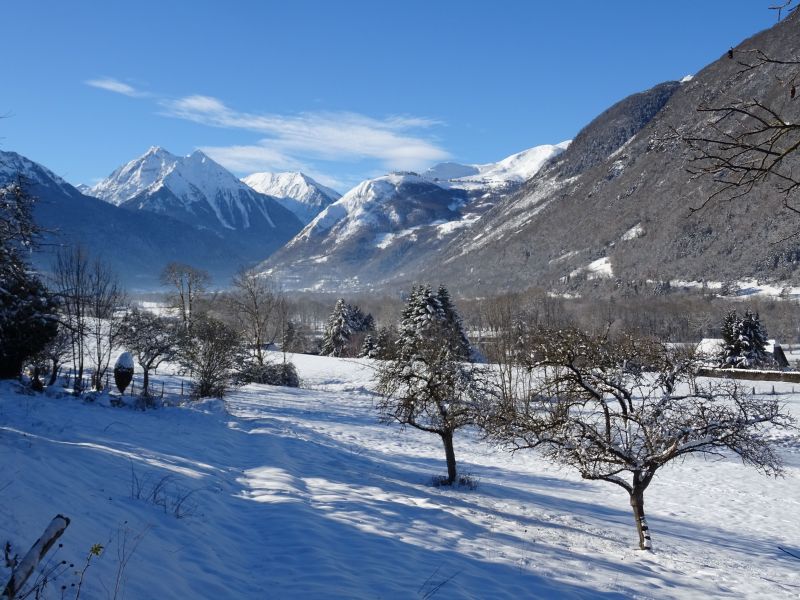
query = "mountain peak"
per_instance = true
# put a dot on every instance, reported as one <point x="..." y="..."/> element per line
<point x="157" y="151"/>
<point x="295" y="191"/>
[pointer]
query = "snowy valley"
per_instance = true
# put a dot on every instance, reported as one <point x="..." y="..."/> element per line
<point x="304" y="494"/>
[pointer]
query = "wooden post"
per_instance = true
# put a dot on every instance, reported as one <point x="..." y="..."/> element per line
<point x="34" y="556"/>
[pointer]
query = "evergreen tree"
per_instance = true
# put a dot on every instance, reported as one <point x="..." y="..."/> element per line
<point x="289" y="336"/>
<point x="458" y="339"/>
<point x="427" y="385"/>
<point x="744" y="341"/>
<point x="730" y="339"/>
<point x="27" y="310"/>
<point x="27" y="321"/>
<point x="344" y="323"/>
<point x="369" y="349"/>
<point x="339" y="329"/>
<point x="385" y="344"/>
<point x="367" y="323"/>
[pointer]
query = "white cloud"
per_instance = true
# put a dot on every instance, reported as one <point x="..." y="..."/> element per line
<point x="252" y="158"/>
<point x="118" y="87"/>
<point x="336" y="136"/>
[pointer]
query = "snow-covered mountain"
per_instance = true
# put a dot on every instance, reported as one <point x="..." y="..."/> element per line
<point x="15" y="167"/>
<point x="388" y="228"/>
<point x="193" y="189"/>
<point x="294" y="191"/>
<point x="510" y="171"/>
<point x="383" y="227"/>
<point x="201" y="193"/>
<point x="137" y="244"/>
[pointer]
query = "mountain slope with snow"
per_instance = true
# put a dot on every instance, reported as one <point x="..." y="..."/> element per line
<point x="627" y="170"/>
<point x="199" y="192"/>
<point x="514" y="169"/>
<point x="388" y="228"/>
<point x="296" y="192"/>
<point x="381" y="227"/>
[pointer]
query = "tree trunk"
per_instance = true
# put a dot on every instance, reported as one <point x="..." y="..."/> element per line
<point x="637" y="503"/>
<point x="450" y="454"/>
<point x="145" y="381"/>
<point x="53" y="374"/>
<point x="78" y="383"/>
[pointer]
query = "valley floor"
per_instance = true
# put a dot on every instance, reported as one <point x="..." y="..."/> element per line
<point x="301" y="493"/>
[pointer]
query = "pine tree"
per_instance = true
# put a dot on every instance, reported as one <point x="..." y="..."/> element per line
<point x="743" y="341"/>
<point x="338" y="331"/>
<point x="730" y="339"/>
<point x="369" y="349"/>
<point x="458" y="338"/>
<point x="344" y="323"/>
<point x="421" y="317"/>
<point x="27" y="310"/>
<point x="753" y="337"/>
<point x="385" y="344"/>
<point x="427" y="385"/>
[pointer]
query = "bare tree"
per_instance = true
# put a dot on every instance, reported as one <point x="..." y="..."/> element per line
<point x="73" y="284"/>
<point x="90" y="295"/>
<point x="260" y="309"/>
<point x="211" y="352"/>
<point x="153" y="339"/>
<point x="105" y="300"/>
<point x="619" y="410"/>
<point x="188" y="283"/>
<point x="53" y="355"/>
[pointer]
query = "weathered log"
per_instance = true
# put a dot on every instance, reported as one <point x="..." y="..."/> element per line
<point x="28" y="564"/>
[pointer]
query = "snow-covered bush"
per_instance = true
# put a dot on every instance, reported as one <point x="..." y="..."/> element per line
<point x="283" y="373"/>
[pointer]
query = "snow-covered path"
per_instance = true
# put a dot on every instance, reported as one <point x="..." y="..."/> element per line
<point x="302" y="494"/>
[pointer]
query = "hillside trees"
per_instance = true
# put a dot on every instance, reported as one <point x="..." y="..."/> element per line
<point x="27" y="321"/>
<point x="428" y="385"/>
<point x="618" y="410"/>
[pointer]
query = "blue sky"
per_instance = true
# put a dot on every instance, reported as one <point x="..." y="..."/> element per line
<point x="343" y="90"/>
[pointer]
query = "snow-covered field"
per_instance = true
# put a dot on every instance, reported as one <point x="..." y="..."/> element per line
<point x="302" y="494"/>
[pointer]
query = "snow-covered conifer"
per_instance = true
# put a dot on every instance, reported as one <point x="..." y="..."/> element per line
<point x="338" y="331"/>
<point x="743" y="341"/>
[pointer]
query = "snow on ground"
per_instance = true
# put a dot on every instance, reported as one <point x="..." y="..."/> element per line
<point x="599" y="268"/>
<point x="301" y="493"/>
<point x="744" y="288"/>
